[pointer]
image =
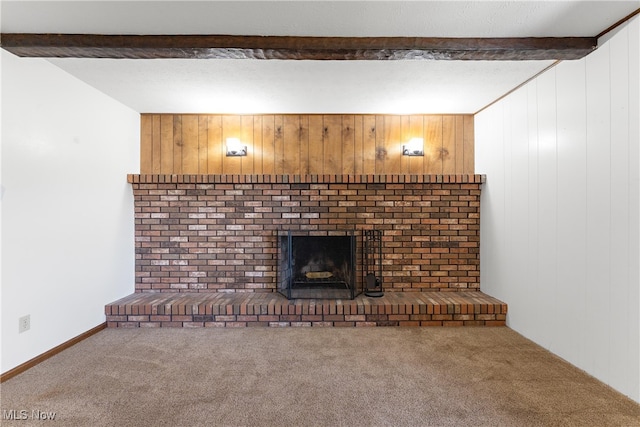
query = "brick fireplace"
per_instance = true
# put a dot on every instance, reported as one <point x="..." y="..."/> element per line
<point x="207" y="250"/>
<point x="212" y="233"/>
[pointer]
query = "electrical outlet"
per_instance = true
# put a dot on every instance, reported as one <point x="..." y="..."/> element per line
<point x="24" y="323"/>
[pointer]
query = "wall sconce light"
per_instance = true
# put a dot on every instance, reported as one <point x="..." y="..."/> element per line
<point x="415" y="147"/>
<point x="235" y="147"/>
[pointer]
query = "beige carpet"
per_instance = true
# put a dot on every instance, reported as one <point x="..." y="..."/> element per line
<point x="312" y="377"/>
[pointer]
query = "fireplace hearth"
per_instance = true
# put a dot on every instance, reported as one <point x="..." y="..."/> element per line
<point x="317" y="266"/>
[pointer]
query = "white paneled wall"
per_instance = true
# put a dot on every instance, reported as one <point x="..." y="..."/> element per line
<point x="560" y="210"/>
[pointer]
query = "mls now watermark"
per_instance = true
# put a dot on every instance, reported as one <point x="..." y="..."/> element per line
<point x="23" y="414"/>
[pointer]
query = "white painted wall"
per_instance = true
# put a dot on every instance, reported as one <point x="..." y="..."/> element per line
<point x="67" y="209"/>
<point x="560" y="219"/>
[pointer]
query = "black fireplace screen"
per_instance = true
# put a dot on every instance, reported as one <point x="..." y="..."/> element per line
<point x="317" y="266"/>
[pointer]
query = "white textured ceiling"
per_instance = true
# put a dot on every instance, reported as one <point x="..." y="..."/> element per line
<point x="259" y="86"/>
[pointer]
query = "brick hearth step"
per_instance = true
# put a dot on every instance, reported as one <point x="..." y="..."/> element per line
<point x="211" y="309"/>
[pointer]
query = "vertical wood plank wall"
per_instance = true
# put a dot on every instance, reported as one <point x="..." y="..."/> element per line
<point x="305" y="144"/>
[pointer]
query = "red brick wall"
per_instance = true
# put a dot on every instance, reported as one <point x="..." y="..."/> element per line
<point x="208" y="233"/>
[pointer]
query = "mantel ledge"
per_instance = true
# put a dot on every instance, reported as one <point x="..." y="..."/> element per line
<point x="305" y="179"/>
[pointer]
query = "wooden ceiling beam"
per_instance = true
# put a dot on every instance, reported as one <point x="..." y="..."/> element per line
<point x="294" y="48"/>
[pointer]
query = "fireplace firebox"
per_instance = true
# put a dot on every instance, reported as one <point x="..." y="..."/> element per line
<point x="312" y="266"/>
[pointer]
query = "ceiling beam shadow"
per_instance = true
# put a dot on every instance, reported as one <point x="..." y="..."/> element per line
<point x="295" y="48"/>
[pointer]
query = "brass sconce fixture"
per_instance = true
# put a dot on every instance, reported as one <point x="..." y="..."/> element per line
<point x="415" y="147"/>
<point x="235" y="148"/>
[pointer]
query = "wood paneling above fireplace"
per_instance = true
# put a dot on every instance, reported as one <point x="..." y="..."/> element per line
<point x="302" y="144"/>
